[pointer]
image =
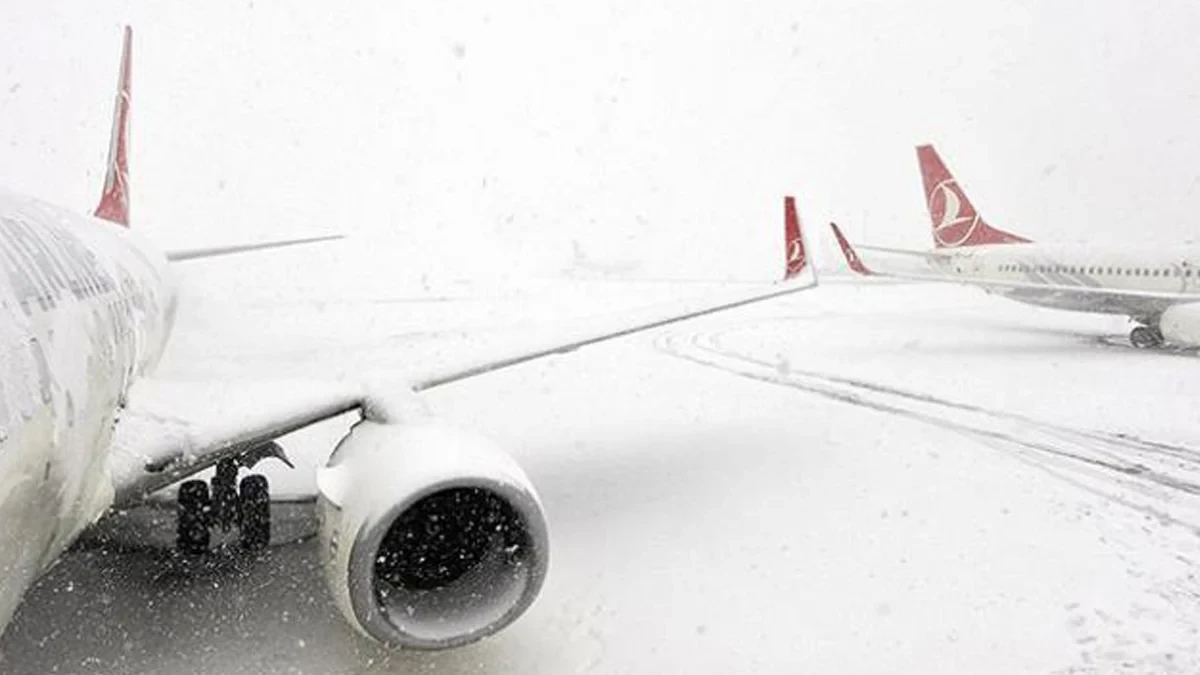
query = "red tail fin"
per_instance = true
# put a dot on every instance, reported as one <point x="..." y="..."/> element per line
<point x="852" y="259"/>
<point x="796" y="257"/>
<point x="955" y="221"/>
<point x="114" y="200"/>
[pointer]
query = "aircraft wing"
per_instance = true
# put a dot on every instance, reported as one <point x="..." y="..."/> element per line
<point x="924" y="255"/>
<point x="1118" y="297"/>
<point x="177" y="255"/>
<point x="170" y="429"/>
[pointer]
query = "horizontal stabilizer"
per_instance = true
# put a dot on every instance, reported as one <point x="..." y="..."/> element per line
<point x="215" y="251"/>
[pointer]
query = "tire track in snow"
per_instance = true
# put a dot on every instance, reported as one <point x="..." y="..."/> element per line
<point x="1161" y="471"/>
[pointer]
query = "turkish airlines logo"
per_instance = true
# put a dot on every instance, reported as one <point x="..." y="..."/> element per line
<point x="952" y="227"/>
<point x="795" y="257"/>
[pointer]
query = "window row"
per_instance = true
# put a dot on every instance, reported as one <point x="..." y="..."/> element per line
<point x="1109" y="271"/>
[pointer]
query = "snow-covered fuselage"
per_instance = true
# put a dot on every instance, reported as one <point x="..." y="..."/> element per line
<point x="1155" y="270"/>
<point x="85" y="309"/>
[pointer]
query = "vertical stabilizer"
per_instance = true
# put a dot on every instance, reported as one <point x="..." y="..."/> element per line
<point x="114" y="200"/>
<point x="796" y="255"/>
<point x="954" y="218"/>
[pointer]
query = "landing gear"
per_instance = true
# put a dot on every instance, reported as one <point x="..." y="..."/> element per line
<point x="192" y="516"/>
<point x="255" y="498"/>
<point x="1145" y="337"/>
<point x="224" y="505"/>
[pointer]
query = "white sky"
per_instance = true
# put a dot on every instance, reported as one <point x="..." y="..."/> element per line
<point x="495" y="133"/>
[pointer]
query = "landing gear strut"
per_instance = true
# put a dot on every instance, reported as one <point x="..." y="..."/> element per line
<point x="223" y="504"/>
<point x="1146" y="337"/>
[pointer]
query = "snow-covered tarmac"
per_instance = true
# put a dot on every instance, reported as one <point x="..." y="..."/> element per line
<point x="858" y="479"/>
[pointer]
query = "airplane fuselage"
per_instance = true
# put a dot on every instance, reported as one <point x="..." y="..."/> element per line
<point x="85" y="309"/>
<point x="1165" y="270"/>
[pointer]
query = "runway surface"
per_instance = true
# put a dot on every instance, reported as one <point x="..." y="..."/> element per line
<point x="858" y="479"/>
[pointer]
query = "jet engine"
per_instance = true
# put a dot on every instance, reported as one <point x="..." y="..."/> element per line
<point x="431" y="537"/>
<point x="1180" y="324"/>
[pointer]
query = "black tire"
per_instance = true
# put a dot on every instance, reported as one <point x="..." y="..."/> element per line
<point x="255" y="497"/>
<point x="1143" y="337"/>
<point x="191" y="518"/>
<point x="223" y="495"/>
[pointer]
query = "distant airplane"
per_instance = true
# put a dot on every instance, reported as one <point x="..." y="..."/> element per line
<point x="431" y="536"/>
<point x="583" y="265"/>
<point x="1159" y="288"/>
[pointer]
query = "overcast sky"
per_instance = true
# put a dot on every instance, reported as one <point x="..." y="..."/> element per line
<point x="665" y="131"/>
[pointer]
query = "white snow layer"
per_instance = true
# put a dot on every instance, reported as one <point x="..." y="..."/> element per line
<point x="859" y="479"/>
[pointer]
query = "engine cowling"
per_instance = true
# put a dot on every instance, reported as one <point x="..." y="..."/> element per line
<point x="431" y="537"/>
<point x="1180" y="324"/>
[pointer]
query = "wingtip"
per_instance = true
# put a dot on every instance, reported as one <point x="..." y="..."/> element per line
<point x="852" y="260"/>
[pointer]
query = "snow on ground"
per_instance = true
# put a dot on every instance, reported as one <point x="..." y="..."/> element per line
<point x="855" y="480"/>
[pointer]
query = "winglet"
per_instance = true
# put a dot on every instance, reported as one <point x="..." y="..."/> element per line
<point x="114" y="199"/>
<point x="852" y="259"/>
<point x="955" y="221"/>
<point x="796" y="255"/>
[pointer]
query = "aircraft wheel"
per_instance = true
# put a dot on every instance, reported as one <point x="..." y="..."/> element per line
<point x="224" y="496"/>
<point x="1144" y="337"/>
<point x="255" y="497"/>
<point x="191" y="517"/>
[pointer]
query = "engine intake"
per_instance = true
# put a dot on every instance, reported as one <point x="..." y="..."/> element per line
<point x="431" y="537"/>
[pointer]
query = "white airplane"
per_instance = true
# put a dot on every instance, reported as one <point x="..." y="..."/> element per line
<point x="1158" y="288"/>
<point x="430" y="537"/>
<point x="584" y="266"/>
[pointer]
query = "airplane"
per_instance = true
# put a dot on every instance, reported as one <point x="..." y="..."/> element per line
<point x="430" y="536"/>
<point x="584" y="266"/>
<point x="1157" y="288"/>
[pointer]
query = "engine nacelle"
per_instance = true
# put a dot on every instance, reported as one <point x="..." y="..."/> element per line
<point x="1180" y="324"/>
<point x="431" y="537"/>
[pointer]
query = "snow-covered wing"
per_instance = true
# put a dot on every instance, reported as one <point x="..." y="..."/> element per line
<point x="169" y="430"/>
<point x="177" y="255"/>
<point x="1100" y="296"/>
<point x="546" y="340"/>
<point x="1166" y="298"/>
<point x="925" y="255"/>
